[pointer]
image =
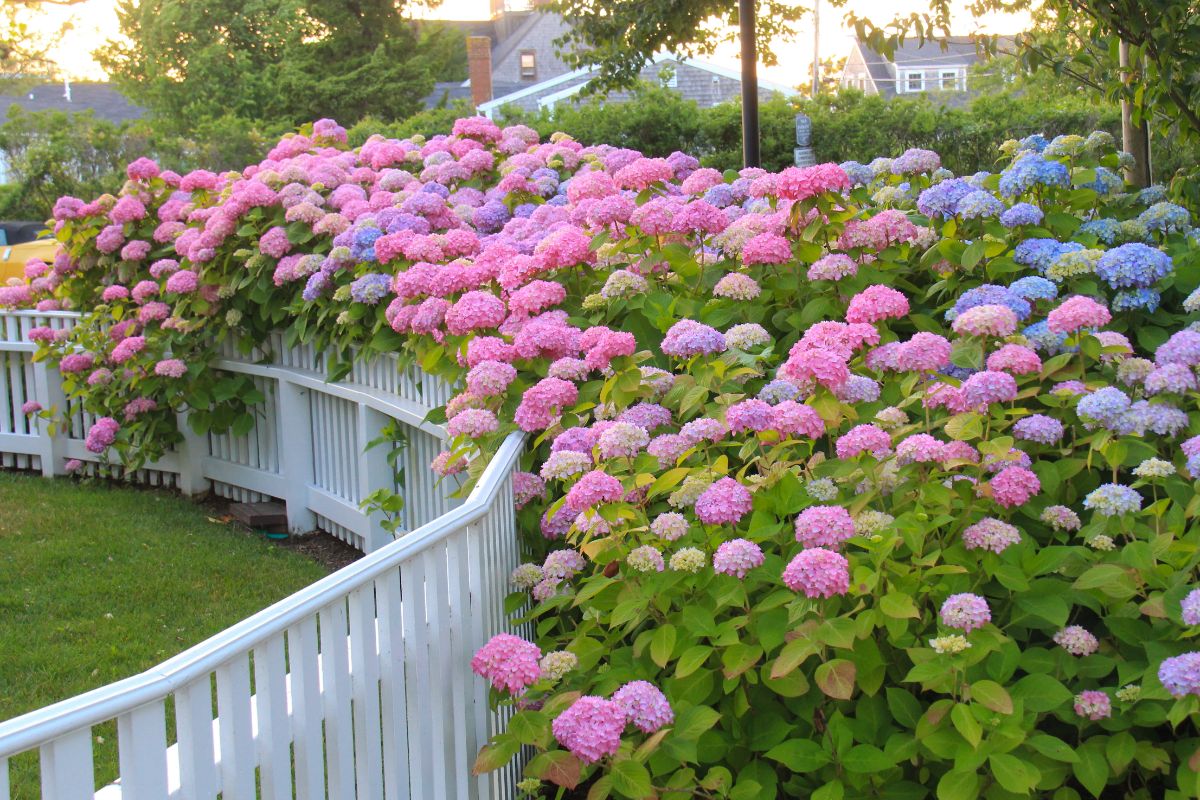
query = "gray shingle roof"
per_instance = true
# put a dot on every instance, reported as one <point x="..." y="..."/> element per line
<point x="102" y="99"/>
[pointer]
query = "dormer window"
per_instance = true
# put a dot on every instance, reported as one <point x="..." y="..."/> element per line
<point x="528" y="65"/>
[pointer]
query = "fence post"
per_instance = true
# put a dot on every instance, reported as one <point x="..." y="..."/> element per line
<point x="374" y="472"/>
<point x="192" y="451"/>
<point x="296" y="454"/>
<point x="47" y="389"/>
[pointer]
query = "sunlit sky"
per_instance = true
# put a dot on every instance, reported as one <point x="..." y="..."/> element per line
<point x="95" y="21"/>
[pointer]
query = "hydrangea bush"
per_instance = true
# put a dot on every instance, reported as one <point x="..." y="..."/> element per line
<point x="846" y="481"/>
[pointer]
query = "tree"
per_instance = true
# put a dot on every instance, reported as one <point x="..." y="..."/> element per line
<point x="619" y="37"/>
<point x="1161" y="85"/>
<point x="277" y="61"/>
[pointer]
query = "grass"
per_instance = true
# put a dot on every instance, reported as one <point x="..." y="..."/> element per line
<point x="98" y="583"/>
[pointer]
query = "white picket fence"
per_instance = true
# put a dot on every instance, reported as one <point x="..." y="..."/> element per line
<point x="307" y="448"/>
<point x="356" y="687"/>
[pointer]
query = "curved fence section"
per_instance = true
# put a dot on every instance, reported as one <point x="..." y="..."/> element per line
<point x="358" y="686"/>
<point x="308" y="446"/>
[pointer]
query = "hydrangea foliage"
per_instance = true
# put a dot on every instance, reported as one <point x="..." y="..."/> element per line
<point x="849" y="481"/>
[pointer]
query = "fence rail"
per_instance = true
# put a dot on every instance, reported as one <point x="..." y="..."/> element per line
<point x="355" y="687"/>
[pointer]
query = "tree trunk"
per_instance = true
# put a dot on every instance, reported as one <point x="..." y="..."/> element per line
<point x="1135" y="138"/>
<point x="750" y="143"/>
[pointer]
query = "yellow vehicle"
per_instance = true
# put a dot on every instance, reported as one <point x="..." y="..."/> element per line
<point x="14" y="256"/>
<point x="19" y="244"/>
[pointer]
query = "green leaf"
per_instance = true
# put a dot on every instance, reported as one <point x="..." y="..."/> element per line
<point x="631" y="779"/>
<point x="1041" y="693"/>
<point x="834" y="790"/>
<point x="694" y="721"/>
<point x="866" y="758"/>
<point x="799" y="755"/>
<point x="974" y="253"/>
<point x="1092" y="768"/>
<point x="964" y="427"/>
<point x="496" y="754"/>
<point x="691" y="660"/>
<point x="836" y="678"/>
<point x="528" y="726"/>
<point x="966" y="724"/>
<point x="898" y="605"/>
<point x="1120" y="749"/>
<point x="958" y="785"/>
<point x="906" y="709"/>
<point x="1052" y="747"/>
<point x="1012" y="773"/>
<point x="662" y="644"/>
<point x="738" y="658"/>
<point x="992" y="695"/>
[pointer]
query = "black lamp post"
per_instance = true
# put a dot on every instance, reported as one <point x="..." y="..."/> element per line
<point x="750" y="144"/>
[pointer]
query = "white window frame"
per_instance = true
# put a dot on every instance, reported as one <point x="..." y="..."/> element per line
<point x="955" y="77"/>
<point x="906" y="83"/>
<point x="527" y="73"/>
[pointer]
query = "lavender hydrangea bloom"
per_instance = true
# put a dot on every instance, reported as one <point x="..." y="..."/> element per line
<point x="371" y="288"/>
<point x="1021" y="214"/>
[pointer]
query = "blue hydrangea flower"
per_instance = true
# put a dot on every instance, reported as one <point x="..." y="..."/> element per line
<point x="436" y="188"/>
<point x="1041" y="253"/>
<point x="1035" y="143"/>
<point x="316" y="286"/>
<point x="989" y="294"/>
<point x="978" y="204"/>
<point x="1137" y="300"/>
<point x="859" y="174"/>
<point x="1113" y="500"/>
<point x="978" y="178"/>
<point x="1165" y="217"/>
<point x="1106" y="230"/>
<point x="1192" y="303"/>
<point x="1133" y="265"/>
<point x="1032" y="170"/>
<point x="1044" y="339"/>
<point x="941" y="200"/>
<point x="1151" y="195"/>
<point x="1103" y="407"/>
<point x="1106" y="182"/>
<point x="778" y="391"/>
<point x="370" y="288"/>
<point x="720" y="195"/>
<point x="1163" y="419"/>
<point x="1021" y="214"/>
<point x="1034" y="288"/>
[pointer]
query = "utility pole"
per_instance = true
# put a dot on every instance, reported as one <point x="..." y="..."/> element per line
<point x="1135" y="139"/>
<point x="750" y="144"/>
<point x="816" y="80"/>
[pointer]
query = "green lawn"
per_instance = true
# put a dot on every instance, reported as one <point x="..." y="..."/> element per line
<point x="99" y="582"/>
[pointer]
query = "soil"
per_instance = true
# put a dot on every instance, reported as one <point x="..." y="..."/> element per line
<point x="326" y="549"/>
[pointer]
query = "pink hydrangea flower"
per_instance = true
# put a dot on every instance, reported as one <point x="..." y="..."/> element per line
<point x="1014" y="486"/>
<point x="1015" y="359"/>
<point x="170" y="368"/>
<point x="1093" y="704"/>
<point x="824" y="526"/>
<point x="791" y="418"/>
<point x="965" y="611"/>
<point x="473" y="423"/>
<point x="645" y="706"/>
<point x="593" y="489"/>
<point x="737" y="557"/>
<point x="509" y="662"/>
<point x="986" y="320"/>
<point x="924" y="352"/>
<point x="766" y="248"/>
<point x="818" y="572"/>
<point x="877" y="303"/>
<point x="1077" y="312"/>
<point x="723" y="503"/>
<point x="590" y="728"/>
<point x="801" y="183"/>
<point x="920" y="448"/>
<point x="864" y="439"/>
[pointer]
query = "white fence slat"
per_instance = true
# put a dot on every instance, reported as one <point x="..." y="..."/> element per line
<point x="335" y="679"/>
<point x="304" y="666"/>
<point x="142" y="752"/>
<point x="67" y="767"/>
<point x="478" y="628"/>
<point x="4" y="793"/>
<point x="296" y="413"/>
<point x="198" y="778"/>
<point x="273" y="737"/>
<point x="458" y="594"/>
<point x="393" y="711"/>
<point x="236" y="734"/>
<point x="364" y="672"/>
<point x="435" y="560"/>
<point x="417" y="674"/>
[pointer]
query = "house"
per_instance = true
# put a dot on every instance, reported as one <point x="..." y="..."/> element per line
<point x="915" y="67"/>
<point x="102" y="99"/>
<point x="704" y="83"/>
<point x="515" y="62"/>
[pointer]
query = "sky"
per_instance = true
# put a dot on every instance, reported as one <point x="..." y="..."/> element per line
<point x="95" y="21"/>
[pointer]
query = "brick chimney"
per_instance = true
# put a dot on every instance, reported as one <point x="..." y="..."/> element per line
<point x="479" y="68"/>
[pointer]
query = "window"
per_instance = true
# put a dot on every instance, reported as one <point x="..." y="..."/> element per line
<point x="949" y="79"/>
<point x="528" y="64"/>
<point x="914" y="80"/>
